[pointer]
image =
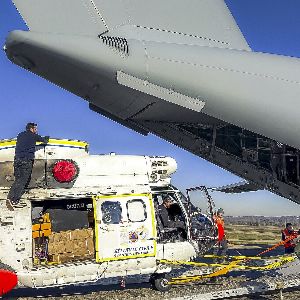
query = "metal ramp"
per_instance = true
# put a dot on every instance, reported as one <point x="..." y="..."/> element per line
<point x="262" y="162"/>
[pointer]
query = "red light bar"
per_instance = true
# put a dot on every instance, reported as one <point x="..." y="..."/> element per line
<point x="65" y="171"/>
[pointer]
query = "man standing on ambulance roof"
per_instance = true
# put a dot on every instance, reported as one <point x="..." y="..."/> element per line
<point x="222" y="245"/>
<point x="23" y="162"/>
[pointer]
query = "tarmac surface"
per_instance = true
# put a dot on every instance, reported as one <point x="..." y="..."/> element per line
<point x="148" y="293"/>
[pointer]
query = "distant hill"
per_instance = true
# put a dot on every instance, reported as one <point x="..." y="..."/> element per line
<point x="263" y="221"/>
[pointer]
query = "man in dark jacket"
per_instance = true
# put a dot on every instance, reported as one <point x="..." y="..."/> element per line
<point x="165" y="216"/>
<point x="23" y="162"/>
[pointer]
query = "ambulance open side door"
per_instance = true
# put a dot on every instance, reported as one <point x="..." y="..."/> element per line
<point x="124" y="227"/>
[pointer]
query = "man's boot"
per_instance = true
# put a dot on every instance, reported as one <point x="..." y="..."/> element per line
<point x="9" y="205"/>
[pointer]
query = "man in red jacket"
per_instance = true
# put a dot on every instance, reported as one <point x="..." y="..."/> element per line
<point x="289" y="233"/>
<point x="222" y="245"/>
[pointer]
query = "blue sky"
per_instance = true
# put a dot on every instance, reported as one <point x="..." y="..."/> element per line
<point x="268" y="25"/>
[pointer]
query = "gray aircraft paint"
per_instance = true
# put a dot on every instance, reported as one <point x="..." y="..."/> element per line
<point x="207" y="22"/>
<point x="180" y="61"/>
<point x="243" y="88"/>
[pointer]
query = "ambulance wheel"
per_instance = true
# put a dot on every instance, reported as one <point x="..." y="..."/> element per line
<point x="161" y="282"/>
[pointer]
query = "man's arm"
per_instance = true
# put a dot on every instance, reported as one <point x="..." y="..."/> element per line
<point x="179" y="224"/>
<point x="42" y="139"/>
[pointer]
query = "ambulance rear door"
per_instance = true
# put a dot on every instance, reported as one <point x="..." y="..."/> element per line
<point x="125" y="227"/>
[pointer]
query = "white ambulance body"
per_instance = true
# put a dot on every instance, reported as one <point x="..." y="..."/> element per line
<point x="102" y="217"/>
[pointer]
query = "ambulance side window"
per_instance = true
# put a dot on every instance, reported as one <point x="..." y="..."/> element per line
<point x="136" y="210"/>
<point x="111" y="212"/>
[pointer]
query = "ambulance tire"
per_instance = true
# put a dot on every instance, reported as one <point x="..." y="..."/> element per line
<point x="161" y="282"/>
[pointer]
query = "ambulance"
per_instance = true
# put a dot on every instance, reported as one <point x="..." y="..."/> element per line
<point x="94" y="219"/>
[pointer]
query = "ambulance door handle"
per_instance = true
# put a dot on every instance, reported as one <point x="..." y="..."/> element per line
<point x="104" y="228"/>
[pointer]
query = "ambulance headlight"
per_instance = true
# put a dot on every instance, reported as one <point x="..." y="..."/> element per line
<point x="65" y="171"/>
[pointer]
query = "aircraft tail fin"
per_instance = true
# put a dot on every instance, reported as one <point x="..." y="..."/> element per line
<point x="202" y="22"/>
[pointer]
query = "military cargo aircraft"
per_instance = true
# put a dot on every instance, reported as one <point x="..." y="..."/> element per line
<point x="179" y="69"/>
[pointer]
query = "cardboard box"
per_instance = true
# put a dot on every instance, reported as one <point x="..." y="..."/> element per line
<point x="71" y="245"/>
<point x="41" y="233"/>
<point x="46" y="232"/>
<point x="82" y="244"/>
<point x="78" y="235"/>
<point x="56" y="248"/>
<point x="35" y="234"/>
<point x="81" y="234"/>
<point x="46" y="226"/>
<point x="51" y="248"/>
<point x="90" y="246"/>
<point x="60" y="247"/>
<point x="55" y="258"/>
<point x="80" y="252"/>
<point x="56" y="237"/>
<point x="91" y="233"/>
<point x="36" y="227"/>
<point x="61" y="258"/>
<point x="51" y="238"/>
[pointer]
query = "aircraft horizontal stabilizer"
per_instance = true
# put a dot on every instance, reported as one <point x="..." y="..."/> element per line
<point x="199" y="22"/>
<point x="74" y="17"/>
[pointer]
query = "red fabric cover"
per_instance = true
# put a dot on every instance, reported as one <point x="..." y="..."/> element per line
<point x="289" y="235"/>
<point x="221" y="231"/>
<point x="8" y="281"/>
<point x="64" y="171"/>
<point x="219" y="221"/>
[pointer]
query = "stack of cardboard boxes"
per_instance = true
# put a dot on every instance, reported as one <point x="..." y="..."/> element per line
<point x="71" y="245"/>
<point x="42" y="228"/>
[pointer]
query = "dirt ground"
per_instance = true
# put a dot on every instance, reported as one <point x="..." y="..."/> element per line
<point x="244" y="234"/>
<point x="150" y="294"/>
